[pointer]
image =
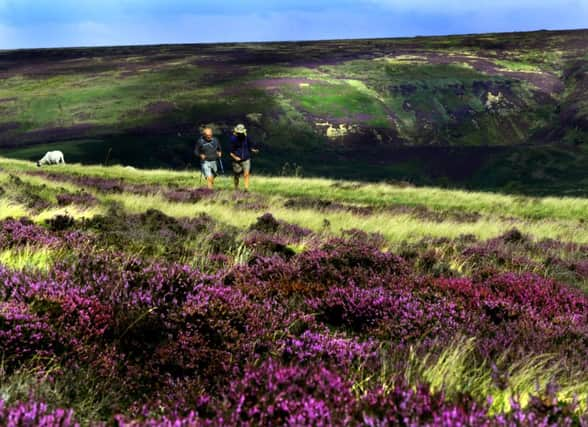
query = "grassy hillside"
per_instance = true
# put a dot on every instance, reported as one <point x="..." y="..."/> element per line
<point x="399" y="211"/>
<point x="479" y="111"/>
<point x="446" y="221"/>
<point x="137" y="297"/>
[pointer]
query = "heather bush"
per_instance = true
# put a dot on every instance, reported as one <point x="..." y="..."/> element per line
<point x="348" y="261"/>
<point x="263" y="244"/>
<point x="34" y="197"/>
<point x="275" y="394"/>
<point x="60" y="222"/>
<point x="24" y="335"/>
<point x="185" y="195"/>
<point x="267" y="224"/>
<point x="326" y="206"/>
<point x="337" y="351"/>
<point x="265" y="335"/>
<point x="515" y="252"/>
<point x="399" y="314"/>
<point x="79" y="198"/>
<point x="35" y="414"/>
<point x="22" y="232"/>
<point x="103" y="185"/>
<point x="248" y="201"/>
<point x="151" y="233"/>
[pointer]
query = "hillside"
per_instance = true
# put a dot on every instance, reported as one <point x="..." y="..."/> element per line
<point x="135" y="297"/>
<point x="501" y="111"/>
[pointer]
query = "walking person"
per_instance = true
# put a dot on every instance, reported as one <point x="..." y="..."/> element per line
<point x="209" y="151"/>
<point x="241" y="149"/>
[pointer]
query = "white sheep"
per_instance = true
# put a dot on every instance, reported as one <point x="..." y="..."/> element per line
<point x="51" y="158"/>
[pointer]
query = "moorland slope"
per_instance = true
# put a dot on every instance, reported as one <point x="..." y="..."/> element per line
<point x="491" y="111"/>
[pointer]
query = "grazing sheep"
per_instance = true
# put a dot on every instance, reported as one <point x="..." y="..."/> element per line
<point x="51" y="158"/>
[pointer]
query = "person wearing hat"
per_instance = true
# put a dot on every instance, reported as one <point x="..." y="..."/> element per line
<point x="241" y="149"/>
<point x="209" y="151"/>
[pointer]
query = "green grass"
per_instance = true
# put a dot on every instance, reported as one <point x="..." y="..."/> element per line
<point x="11" y="209"/>
<point x="101" y="100"/>
<point x="375" y="194"/>
<point x="116" y="101"/>
<point x="396" y="228"/>
<point x="90" y="395"/>
<point x="546" y="217"/>
<point x="338" y="100"/>
<point x="28" y="258"/>
<point x="513" y="65"/>
<point x="455" y="370"/>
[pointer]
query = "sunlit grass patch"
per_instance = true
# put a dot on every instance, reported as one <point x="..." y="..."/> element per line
<point x="395" y="228"/>
<point x="553" y="217"/>
<point x="456" y="371"/>
<point x="338" y="100"/>
<point x="73" y="211"/>
<point x="413" y="59"/>
<point x="10" y="209"/>
<point x="29" y="258"/>
<point x="34" y="192"/>
<point x="133" y="203"/>
<point x="513" y="65"/>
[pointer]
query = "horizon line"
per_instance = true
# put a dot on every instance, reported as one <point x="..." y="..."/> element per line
<point x="295" y="40"/>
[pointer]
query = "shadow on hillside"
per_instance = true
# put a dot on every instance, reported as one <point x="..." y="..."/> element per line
<point x="546" y="170"/>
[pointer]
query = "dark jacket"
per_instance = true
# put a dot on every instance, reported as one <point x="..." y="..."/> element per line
<point x="242" y="147"/>
<point x="210" y="148"/>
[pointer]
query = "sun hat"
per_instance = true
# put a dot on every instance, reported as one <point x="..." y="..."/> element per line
<point x="240" y="128"/>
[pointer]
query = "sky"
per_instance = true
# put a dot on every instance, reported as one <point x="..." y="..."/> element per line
<point x="61" y="23"/>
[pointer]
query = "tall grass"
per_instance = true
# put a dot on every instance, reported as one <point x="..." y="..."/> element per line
<point x="29" y="258"/>
<point x="91" y="396"/>
<point x="457" y="370"/>
<point x="396" y="228"/>
<point x="73" y="211"/>
<point x="549" y="217"/>
<point x="11" y="209"/>
<point x="492" y="204"/>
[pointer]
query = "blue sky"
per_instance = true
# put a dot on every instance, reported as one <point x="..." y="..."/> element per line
<point x="50" y="23"/>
